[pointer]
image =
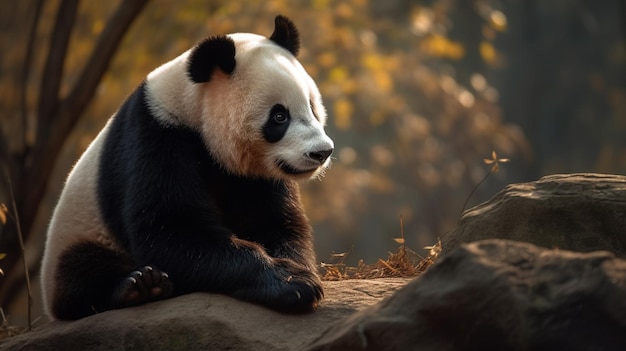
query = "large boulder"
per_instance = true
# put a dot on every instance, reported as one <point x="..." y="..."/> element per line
<point x="578" y="212"/>
<point x="203" y="321"/>
<point x="497" y="295"/>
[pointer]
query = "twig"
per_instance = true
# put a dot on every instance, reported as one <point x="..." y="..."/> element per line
<point x="388" y="266"/>
<point x="19" y="235"/>
<point x="495" y="162"/>
<point x="472" y="193"/>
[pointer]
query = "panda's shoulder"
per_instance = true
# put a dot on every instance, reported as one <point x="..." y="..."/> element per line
<point x="137" y="137"/>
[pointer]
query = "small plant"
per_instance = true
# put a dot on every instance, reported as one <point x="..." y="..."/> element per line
<point x="4" y="214"/>
<point x="495" y="161"/>
<point x="5" y="329"/>
<point x="3" y="220"/>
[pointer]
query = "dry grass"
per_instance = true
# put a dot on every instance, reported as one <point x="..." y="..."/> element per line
<point x="6" y="330"/>
<point x="404" y="263"/>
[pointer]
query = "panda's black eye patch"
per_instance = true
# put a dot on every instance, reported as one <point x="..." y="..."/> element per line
<point x="277" y="124"/>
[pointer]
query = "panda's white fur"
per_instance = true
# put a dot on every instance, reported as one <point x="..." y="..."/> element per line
<point x="228" y="112"/>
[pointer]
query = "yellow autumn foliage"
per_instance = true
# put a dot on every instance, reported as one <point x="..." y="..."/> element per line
<point x="488" y="52"/>
<point x="338" y="74"/>
<point x="342" y="110"/>
<point x="439" y="46"/>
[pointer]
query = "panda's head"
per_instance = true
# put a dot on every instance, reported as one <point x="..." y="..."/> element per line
<point x="259" y="112"/>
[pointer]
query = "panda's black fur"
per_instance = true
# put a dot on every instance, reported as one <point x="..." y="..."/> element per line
<point x="183" y="221"/>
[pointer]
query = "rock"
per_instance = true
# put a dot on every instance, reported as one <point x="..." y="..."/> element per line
<point x="203" y="321"/>
<point x="497" y="295"/>
<point x="578" y="212"/>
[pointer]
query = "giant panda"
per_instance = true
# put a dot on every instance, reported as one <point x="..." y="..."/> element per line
<point x="191" y="186"/>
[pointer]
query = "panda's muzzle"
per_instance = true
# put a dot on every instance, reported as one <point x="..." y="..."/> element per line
<point x="315" y="160"/>
<point x="294" y="171"/>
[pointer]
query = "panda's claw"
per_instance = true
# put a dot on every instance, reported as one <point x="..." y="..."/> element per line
<point x="143" y="285"/>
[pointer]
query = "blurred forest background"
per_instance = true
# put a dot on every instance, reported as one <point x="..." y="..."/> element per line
<point x="418" y="94"/>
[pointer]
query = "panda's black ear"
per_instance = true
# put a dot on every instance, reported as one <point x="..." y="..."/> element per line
<point x="210" y="54"/>
<point x="286" y="34"/>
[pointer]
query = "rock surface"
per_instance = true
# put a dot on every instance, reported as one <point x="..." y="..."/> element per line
<point x="497" y="295"/>
<point x="578" y="212"/>
<point x="204" y="321"/>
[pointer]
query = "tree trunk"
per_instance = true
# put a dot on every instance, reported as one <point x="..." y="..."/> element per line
<point x="56" y="118"/>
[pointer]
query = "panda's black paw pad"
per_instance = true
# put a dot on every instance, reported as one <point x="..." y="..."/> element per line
<point x="143" y="285"/>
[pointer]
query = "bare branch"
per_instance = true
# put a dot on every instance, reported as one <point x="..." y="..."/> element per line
<point x="99" y="61"/>
<point x="26" y="68"/>
<point x="53" y="69"/>
<point x="72" y="107"/>
<point x="64" y="114"/>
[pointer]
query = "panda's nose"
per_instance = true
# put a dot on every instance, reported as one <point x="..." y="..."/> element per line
<point x="320" y="156"/>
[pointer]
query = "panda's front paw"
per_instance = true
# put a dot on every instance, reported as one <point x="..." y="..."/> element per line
<point x="143" y="285"/>
<point x="296" y="290"/>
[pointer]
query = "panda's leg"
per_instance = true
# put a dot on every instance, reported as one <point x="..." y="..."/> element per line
<point x="286" y="284"/>
<point x="304" y="255"/>
<point x="92" y="278"/>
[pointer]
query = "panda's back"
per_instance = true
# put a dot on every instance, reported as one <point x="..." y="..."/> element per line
<point x="77" y="215"/>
